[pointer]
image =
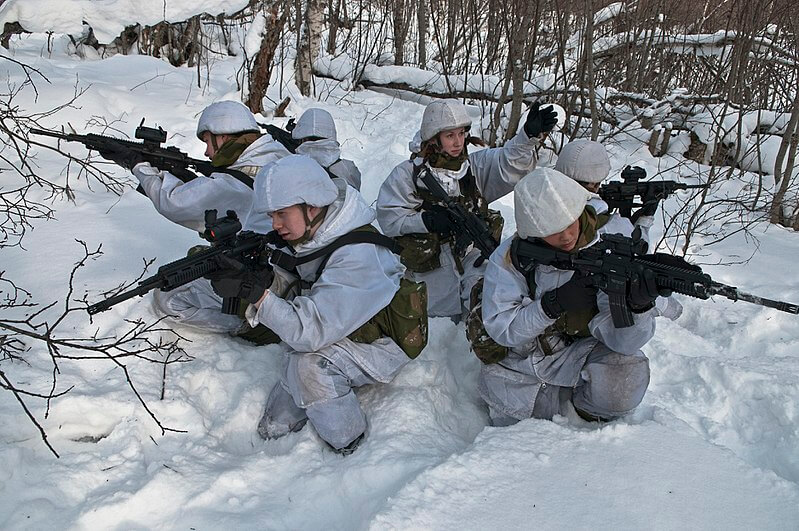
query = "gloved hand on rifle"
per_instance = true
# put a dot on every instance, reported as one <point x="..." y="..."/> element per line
<point x="576" y="294"/>
<point x="643" y="291"/>
<point x="234" y="279"/>
<point x="438" y="220"/>
<point x="540" y="120"/>
<point x="672" y="261"/>
<point x="649" y="209"/>
<point x="122" y="156"/>
<point x="462" y="242"/>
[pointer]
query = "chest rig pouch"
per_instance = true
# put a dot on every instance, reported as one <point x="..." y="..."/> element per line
<point x="404" y="319"/>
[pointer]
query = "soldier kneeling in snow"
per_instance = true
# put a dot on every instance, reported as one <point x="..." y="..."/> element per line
<point x="356" y="320"/>
<point x="233" y="140"/>
<point x="560" y="344"/>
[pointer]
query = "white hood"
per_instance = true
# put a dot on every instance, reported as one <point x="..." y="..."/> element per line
<point x="315" y="122"/>
<point x="292" y="180"/>
<point x="325" y="151"/>
<point x="584" y="160"/>
<point x="547" y="202"/>
<point x="226" y="118"/>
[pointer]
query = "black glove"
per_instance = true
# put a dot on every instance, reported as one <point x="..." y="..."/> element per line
<point x="122" y="156"/>
<point x="540" y="120"/>
<point x="642" y="292"/>
<point x="672" y="261"/>
<point x="576" y="294"/>
<point x="234" y="279"/>
<point x="649" y="209"/>
<point x="462" y="242"/>
<point x="437" y="220"/>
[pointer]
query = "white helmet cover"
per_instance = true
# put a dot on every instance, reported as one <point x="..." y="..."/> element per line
<point x="315" y="122"/>
<point x="547" y="202"/>
<point x="441" y="115"/>
<point x="226" y="118"/>
<point x="584" y="160"/>
<point x="293" y="180"/>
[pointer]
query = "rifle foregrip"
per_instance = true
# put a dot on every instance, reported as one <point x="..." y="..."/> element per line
<point x="684" y="287"/>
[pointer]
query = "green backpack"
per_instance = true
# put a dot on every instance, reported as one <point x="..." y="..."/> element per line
<point x="404" y="320"/>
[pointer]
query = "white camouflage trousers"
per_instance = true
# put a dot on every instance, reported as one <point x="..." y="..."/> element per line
<point x="318" y="386"/>
<point x="602" y="384"/>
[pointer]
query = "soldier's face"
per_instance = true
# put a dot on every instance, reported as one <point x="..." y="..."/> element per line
<point x="566" y="239"/>
<point x="290" y="222"/>
<point x="591" y="187"/>
<point x="452" y="141"/>
<point x="213" y="143"/>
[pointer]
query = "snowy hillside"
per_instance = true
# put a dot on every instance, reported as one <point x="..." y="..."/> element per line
<point x="714" y="445"/>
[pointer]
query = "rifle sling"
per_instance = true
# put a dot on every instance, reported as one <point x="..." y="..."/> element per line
<point x="359" y="235"/>
<point x="240" y="176"/>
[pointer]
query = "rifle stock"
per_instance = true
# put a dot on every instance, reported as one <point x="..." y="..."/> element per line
<point x="282" y="136"/>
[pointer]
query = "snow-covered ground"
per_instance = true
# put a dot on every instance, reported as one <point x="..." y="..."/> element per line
<point x="715" y="444"/>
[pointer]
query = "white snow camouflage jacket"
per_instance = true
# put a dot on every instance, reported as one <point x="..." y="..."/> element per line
<point x="358" y="281"/>
<point x="186" y="203"/>
<point x="496" y="172"/>
<point x="513" y="317"/>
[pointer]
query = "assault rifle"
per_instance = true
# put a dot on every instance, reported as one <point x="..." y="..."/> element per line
<point x="621" y="195"/>
<point x="283" y="135"/>
<point x="226" y="238"/>
<point x="617" y="260"/>
<point x="468" y="222"/>
<point x="167" y="158"/>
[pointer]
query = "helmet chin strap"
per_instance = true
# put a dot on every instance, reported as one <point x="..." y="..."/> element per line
<point x="309" y="224"/>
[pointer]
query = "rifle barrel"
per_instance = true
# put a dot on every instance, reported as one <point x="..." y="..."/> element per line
<point x="44" y="132"/>
<point x="144" y="287"/>
<point x="735" y="294"/>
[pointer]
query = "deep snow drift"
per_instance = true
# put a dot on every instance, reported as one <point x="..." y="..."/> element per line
<point x="715" y="443"/>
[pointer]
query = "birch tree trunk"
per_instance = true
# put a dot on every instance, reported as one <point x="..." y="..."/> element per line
<point x="310" y="42"/>
<point x="520" y="33"/>
<point x="333" y="9"/>
<point x="398" y="14"/>
<point x="787" y="147"/>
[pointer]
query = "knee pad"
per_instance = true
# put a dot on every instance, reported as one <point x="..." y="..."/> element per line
<point x="612" y="385"/>
<point x="311" y="378"/>
<point x="281" y="415"/>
